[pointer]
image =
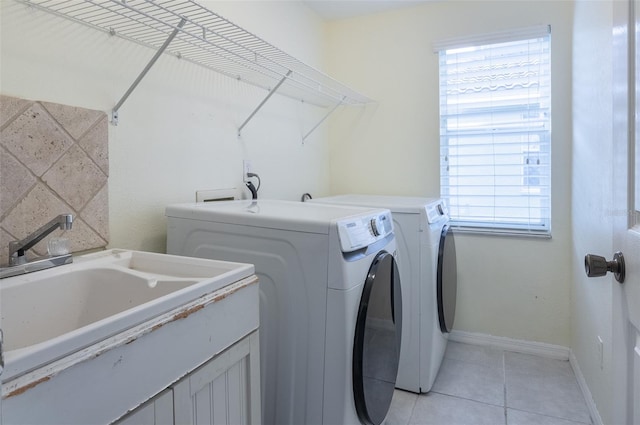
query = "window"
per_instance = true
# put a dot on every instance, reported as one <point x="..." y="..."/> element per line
<point x="495" y="131"/>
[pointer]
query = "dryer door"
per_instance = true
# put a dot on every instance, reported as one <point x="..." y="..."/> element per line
<point x="447" y="280"/>
<point x="376" y="349"/>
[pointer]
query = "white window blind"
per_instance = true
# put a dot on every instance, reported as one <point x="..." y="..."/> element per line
<point x="495" y="131"/>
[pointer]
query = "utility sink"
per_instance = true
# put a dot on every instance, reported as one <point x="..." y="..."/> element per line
<point x="52" y="313"/>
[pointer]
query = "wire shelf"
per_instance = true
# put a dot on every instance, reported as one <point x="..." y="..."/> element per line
<point x="209" y="40"/>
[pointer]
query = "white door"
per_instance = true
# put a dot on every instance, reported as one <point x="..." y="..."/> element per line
<point x="1" y="366"/>
<point x="626" y="211"/>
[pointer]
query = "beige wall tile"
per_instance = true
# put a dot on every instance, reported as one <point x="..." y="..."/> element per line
<point x="35" y="139"/>
<point x="4" y="247"/>
<point x="53" y="160"/>
<point x="10" y="107"/>
<point x="95" y="143"/>
<point x="16" y="181"/>
<point x="75" y="178"/>
<point x="76" y="121"/>
<point x="96" y="213"/>
<point x="83" y="237"/>
<point x="37" y="208"/>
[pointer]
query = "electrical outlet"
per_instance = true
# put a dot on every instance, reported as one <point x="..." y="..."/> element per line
<point x="600" y="352"/>
<point x="246" y="169"/>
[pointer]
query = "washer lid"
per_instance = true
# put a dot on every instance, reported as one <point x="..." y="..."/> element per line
<point x="397" y="204"/>
<point x="274" y="214"/>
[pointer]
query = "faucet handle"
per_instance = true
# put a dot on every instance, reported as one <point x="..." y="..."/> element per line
<point x="58" y="246"/>
<point x="17" y="255"/>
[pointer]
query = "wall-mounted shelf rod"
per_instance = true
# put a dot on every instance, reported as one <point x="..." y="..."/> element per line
<point x="114" y="111"/>
<point x="271" y="93"/>
<point x="323" y="118"/>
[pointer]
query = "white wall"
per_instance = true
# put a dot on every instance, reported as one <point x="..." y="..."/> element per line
<point x="512" y="287"/>
<point x="177" y="135"/>
<point x="177" y="131"/>
<point x="591" y="309"/>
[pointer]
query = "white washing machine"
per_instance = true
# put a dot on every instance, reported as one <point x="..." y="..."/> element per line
<point x="330" y="301"/>
<point x="427" y="263"/>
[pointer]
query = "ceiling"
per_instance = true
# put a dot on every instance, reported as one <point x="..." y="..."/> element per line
<point x="340" y="9"/>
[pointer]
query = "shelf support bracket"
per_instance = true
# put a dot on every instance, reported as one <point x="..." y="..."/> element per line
<point x="271" y="93"/>
<point x="114" y="111"/>
<point x="324" y="118"/>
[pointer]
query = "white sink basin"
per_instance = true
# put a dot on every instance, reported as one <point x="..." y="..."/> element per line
<point x="49" y="314"/>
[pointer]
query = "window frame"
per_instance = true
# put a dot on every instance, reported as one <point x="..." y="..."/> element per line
<point x="474" y="222"/>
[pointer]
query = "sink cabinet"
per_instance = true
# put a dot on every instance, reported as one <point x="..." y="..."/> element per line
<point x="225" y="390"/>
<point x="157" y="411"/>
<point x="206" y="349"/>
<point x="222" y="391"/>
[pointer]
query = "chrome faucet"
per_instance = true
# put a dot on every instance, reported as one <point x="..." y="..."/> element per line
<point x="18" y="249"/>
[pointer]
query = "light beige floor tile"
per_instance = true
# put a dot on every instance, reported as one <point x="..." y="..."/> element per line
<point x="401" y="408"/>
<point x="474" y="354"/>
<point x="472" y="381"/>
<point x="518" y="417"/>
<point x="439" y="409"/>
<point x="471" y="386"/>
<point x="544" y="386"/>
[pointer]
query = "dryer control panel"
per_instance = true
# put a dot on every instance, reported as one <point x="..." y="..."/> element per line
<point x="359" y="232"/>
<point x="437" y="211"/>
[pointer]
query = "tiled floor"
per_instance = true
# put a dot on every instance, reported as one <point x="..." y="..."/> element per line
<point x="481" y="385"/>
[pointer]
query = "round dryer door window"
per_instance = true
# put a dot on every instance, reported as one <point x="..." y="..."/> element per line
<point x="376" y="350"/>
<point x="447" y="280"/>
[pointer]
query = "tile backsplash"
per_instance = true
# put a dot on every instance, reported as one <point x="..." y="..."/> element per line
<point x="53" y="160"/>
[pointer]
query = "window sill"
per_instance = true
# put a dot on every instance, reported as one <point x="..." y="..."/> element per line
<point x="500" y="232"/>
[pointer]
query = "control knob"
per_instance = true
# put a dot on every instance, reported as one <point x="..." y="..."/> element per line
<point x="376" y="226"/>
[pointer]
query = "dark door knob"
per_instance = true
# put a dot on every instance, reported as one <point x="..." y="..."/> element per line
<point x="596" y="265"/>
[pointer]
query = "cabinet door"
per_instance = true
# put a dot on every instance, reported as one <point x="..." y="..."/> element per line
<point x="157" y="411"/>
<point x="225" y="390"/>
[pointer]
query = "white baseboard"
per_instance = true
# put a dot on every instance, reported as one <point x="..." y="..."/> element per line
<point x="517" y="345"/>
<point x="535" y="348"/>
<point x="588" y="398"/>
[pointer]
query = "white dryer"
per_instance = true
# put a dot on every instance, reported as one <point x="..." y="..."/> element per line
<point x="427" y="263"/>
<point x="330" y="301"/>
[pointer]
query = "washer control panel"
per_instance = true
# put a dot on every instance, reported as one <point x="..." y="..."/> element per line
<point x="360" y="232"/>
